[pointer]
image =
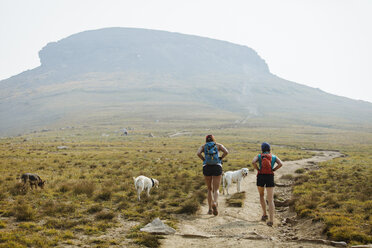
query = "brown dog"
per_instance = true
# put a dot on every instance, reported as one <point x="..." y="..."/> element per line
<point x="33" y="179"/>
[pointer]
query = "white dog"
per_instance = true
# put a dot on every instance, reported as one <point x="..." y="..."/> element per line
<point x="144" y="183"/>
<point x="230" y="177"/>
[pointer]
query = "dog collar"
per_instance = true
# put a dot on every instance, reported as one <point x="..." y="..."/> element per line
<point x="152" y="180"/>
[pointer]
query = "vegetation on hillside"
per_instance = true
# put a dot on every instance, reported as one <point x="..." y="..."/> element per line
<point x="340" y="195"/>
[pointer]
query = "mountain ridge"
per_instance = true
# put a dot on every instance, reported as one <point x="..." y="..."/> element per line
<point x="113" y="68"/>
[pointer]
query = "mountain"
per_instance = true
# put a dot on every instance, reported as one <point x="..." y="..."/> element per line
<point x="135" y="74"/>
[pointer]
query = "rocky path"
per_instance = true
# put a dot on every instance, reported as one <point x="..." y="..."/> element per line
<point x="242" y="227"/>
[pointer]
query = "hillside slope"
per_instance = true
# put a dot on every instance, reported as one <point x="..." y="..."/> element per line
<point x="137" y="73"/>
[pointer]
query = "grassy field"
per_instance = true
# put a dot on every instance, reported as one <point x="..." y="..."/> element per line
<point x="340" y="195"/>
<point x="89" y="187"/>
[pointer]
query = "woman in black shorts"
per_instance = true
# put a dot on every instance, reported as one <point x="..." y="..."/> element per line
<point x="265" y="178"/>
<point x="212" y="169"/>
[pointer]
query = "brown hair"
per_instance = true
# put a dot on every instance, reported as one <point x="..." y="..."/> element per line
<point x="210" y="138"/>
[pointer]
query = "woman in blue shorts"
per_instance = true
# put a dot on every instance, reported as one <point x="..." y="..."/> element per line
<point x="212" y="169"/>
<point x="265" y="178"/>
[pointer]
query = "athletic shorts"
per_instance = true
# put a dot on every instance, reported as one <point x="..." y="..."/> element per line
<point x="212" y="170"/>
<point x="265" y="180"/>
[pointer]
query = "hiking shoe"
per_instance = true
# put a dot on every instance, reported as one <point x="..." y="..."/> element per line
<point x="264" y="217"/>
<point x="214" y="208"/>
<point x="270" y="223"/>
<point x="210" y="211"/>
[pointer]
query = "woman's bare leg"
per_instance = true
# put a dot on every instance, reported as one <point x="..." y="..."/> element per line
<point x="270" y="200"/>
<point x="216" y="188"/>
<point x="261" y="191"/>
<point x="208" y="181"/>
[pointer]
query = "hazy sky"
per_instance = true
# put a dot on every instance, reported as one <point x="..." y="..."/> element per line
<point x="321" y="43"/>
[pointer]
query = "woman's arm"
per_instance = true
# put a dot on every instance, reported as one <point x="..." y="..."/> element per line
<point x="199" y="153"/>
<point x="224" y="151"/>
<point x="279" y="162"/>
<point x="254" y="162"/>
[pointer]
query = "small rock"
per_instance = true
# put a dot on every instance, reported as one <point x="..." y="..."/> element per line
<point x="339" y="244"/>
<point x="282" y="184"/>
<point x="62" y="147"/>
<point x="158" y="227"/>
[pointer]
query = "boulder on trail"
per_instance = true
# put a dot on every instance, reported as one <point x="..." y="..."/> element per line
<point x="158" y="227"/>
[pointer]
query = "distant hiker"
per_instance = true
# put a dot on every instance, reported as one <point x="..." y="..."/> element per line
<point x="212" y="169"/>
<point x="265" y="178"/>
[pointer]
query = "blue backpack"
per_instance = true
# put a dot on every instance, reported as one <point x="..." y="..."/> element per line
<point x="211" y="153"/>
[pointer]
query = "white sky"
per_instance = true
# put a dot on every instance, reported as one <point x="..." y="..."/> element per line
<point x="325" y="44"/>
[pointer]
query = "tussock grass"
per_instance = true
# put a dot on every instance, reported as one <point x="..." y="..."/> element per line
<point x="300" y="171"/>
<point x="104" y="195"/>
<point x="190" y="206"/>
<point x="143" y="238"/>
<point x="287" y="177"/>
<point x="23" y="211"/>
<point x="18" y="189"/>
<point x="236" y="200"/>
<point x="105" y="215"/>
<point x="84" y="187"/>
<point x="340" y="195"/>
<point x="89" y="185"/>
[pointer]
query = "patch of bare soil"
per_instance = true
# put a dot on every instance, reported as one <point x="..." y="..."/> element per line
<point x="242" y="227"/>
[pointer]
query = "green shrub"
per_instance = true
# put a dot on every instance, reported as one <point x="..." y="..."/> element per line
<point x="149" y="240"/>
<point x="65" y="188"/>
<point x="23" y="212"/>
<point x="104" y="195"/>
<point x="18" y="189"/>
<point x="190" y="206"/>
<point x="95" y="209"/>
<point x="143" y="238"/>
<point x="236" y="200"/>
<point x="105" y="215"/>
<point x="287" y="176"/>
<point x="84" y="187"/>
<point x="300" y="171"/>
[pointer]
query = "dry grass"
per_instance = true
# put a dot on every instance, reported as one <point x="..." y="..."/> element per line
<point x="90" y="186"/>
<point x="340" y="195"/>
<point x="236" y="200"/>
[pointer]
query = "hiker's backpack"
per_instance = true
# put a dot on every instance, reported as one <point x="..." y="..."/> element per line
<point x="211" y="153"/>
<point x="266" y="163"/>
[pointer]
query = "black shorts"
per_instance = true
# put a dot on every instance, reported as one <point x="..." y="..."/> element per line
<point x="265" y="180"/>
<point x="212" y="170"/>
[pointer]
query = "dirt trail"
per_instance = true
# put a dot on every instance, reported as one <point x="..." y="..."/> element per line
<point x="241" y="227"/>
